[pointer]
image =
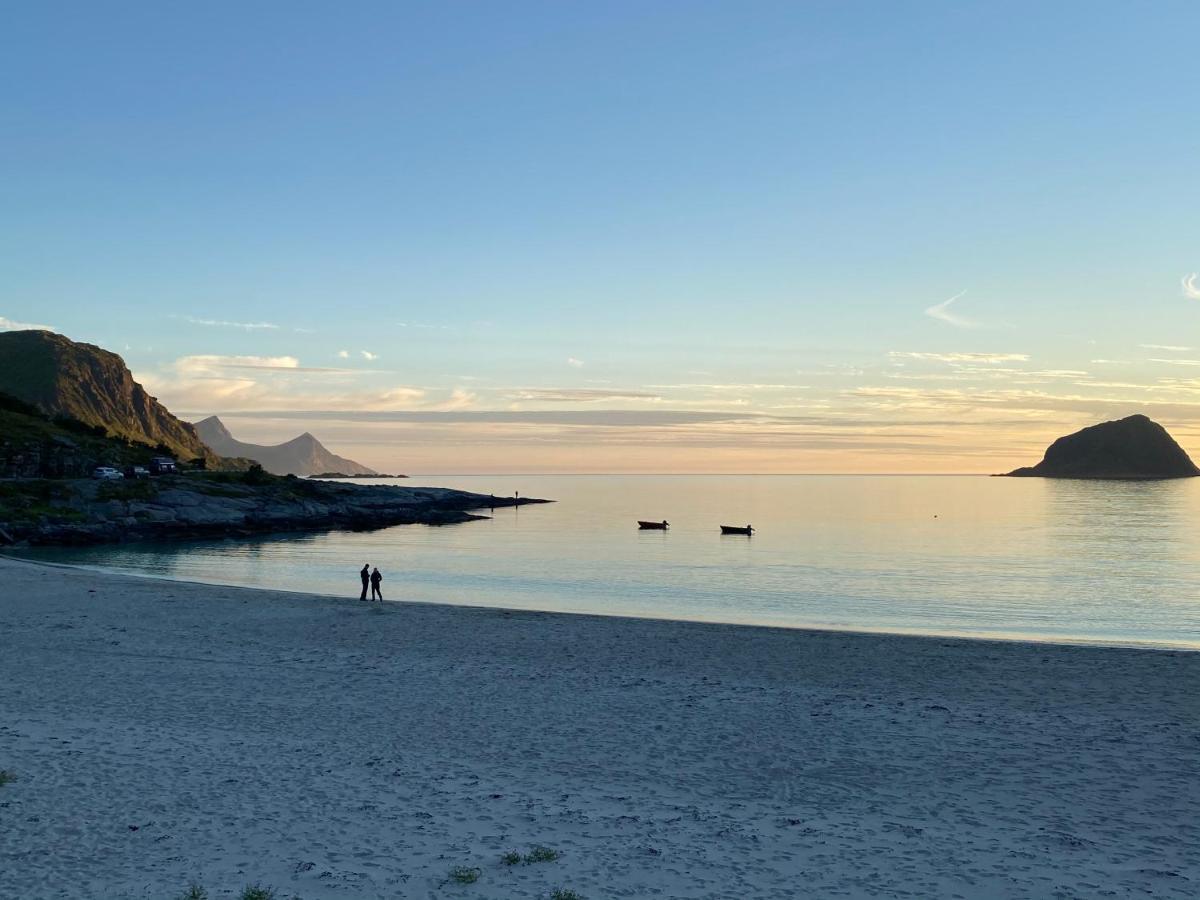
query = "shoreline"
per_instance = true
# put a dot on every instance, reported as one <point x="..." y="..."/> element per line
<point x="166" y="732"/>
<point x="1036" y="640"/>
<point x="171" y="508"/>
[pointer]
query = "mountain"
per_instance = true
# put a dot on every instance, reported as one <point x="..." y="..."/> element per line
<point x="1130" y="448"/>
<point x="63" y="378"/>
<point x="304" y="455"/>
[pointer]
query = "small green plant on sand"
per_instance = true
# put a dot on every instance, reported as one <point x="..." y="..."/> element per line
<point x="564" y="894"/>
<point x="541" y="854"/>
<point x="6" y="777"/>
<point x="465" y="875"/>
<point x="511" y="858"/>
<point x="257" y="892"/>
<point x="194" y="892"/>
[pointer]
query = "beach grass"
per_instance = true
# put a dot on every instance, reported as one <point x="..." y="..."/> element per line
<point x="6" y="777"/>
<point x="565" y="894"/>
<point x="511" y="858"/>
<point x="257" y="892"/>
<point x="541" y="854"/>
<point x="194" y="892"/>
<point x="465" y="874"/>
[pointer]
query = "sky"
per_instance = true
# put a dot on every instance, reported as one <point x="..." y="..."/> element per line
<point x="618" y="237"/>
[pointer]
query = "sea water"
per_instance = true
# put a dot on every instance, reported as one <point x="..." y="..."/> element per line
<point x="1106" y="562"/>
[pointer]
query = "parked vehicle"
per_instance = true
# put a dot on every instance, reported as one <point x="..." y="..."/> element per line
<point x="137" y="472"/>
<point x="162" y="465"/>
<point x="106" y="473"/>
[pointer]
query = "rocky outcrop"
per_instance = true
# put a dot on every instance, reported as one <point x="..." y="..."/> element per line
<point x="196" y="506"/>
<point x="1130" y="448"/>
<point x="303" y="455"/>
<point x="88" y="384"/>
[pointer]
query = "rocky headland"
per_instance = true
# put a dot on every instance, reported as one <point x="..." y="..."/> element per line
<point x="90" y="386"/>
<point x="42" y="512"/>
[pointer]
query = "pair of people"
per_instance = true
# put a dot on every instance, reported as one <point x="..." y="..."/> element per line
<point x="372" y="578"/>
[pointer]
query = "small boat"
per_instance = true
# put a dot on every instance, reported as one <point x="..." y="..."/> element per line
<point x="737" y="529"/>
<point x="654" y="526"/>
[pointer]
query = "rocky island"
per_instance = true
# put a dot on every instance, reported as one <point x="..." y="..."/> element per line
<point x="1133" y="448"/>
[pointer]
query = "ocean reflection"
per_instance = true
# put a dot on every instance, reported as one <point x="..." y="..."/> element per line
<point x="1110" y="562"/>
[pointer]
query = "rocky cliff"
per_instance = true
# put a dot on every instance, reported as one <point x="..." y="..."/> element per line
<point x="86" y="383"/>
<point x="304" y="455"/>
<point x="1130" y="448"/>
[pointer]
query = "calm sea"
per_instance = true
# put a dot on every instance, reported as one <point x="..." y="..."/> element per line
<point x="1106" y="562"/>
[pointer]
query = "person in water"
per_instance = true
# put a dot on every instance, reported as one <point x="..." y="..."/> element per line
<point x="376" y="580"/>
<point x="365" y="575"/>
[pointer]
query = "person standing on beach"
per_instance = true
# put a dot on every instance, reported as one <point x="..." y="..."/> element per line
<point x="365" y="574"/>
<point x="376" y="580"/>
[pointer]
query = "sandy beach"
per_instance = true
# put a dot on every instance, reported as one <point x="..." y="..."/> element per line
<point x="162" y="734"/>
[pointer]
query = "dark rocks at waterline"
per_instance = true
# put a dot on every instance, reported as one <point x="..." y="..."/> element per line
<point x="82" y="512"/>
<point x="1133" y="448"/>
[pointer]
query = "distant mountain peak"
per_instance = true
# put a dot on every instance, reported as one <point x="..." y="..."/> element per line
<point x="302" y="455"/>
<point x="214" y="426"/>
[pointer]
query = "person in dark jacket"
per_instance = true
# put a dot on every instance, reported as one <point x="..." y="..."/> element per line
<point x="376" y="580"/>
<point x="365" y="574"/>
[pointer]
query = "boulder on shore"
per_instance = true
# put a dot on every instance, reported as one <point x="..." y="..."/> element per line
<point x="1131" y="448"/>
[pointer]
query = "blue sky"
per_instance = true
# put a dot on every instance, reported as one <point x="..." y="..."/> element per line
<point x="643" y="236"/>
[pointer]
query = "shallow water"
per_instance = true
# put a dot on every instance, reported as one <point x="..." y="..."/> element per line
<point x="1108" y="562"/>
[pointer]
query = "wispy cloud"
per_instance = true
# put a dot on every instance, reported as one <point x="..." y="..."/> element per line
<point x="1191" y="290"/>
<point x="343" y="354"/>
<point x="10" y="325"/>
<point x="368" y="355"/>
<point x="941" y="312"/>
<point x="579" y="395"/>
<point x="1178" y="362"/>
<point x="221" y="323"/>
<point x="577" y="363"/>
<point x="285" y="364"/>
<point x="961" y="358"/>
<point x="1169" y="348"/>
<point x="731" y="387"/>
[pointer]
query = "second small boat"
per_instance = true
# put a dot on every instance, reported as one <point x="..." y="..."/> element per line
<point x="654" y="526"/>
<point x="737" y="529"/>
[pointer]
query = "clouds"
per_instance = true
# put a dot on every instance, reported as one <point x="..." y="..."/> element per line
<point x="10" y="325"/>
<point x="203" y="363"/>
<point x="961" y="358"/>
<point x="575" y="363"/>
<point x="369" y="356"/>
<point x="1168" y="348"/>
<point x="222" y="383"/>
<point x="941" y="312"/>
<point x="343" y="354"/>
<point x="221" y="323"/>
<point x="1191" y="289"/>
<point x="580" y="395"/>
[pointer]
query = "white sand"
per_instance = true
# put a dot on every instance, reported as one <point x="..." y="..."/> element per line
<point x="334" y="749"/>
